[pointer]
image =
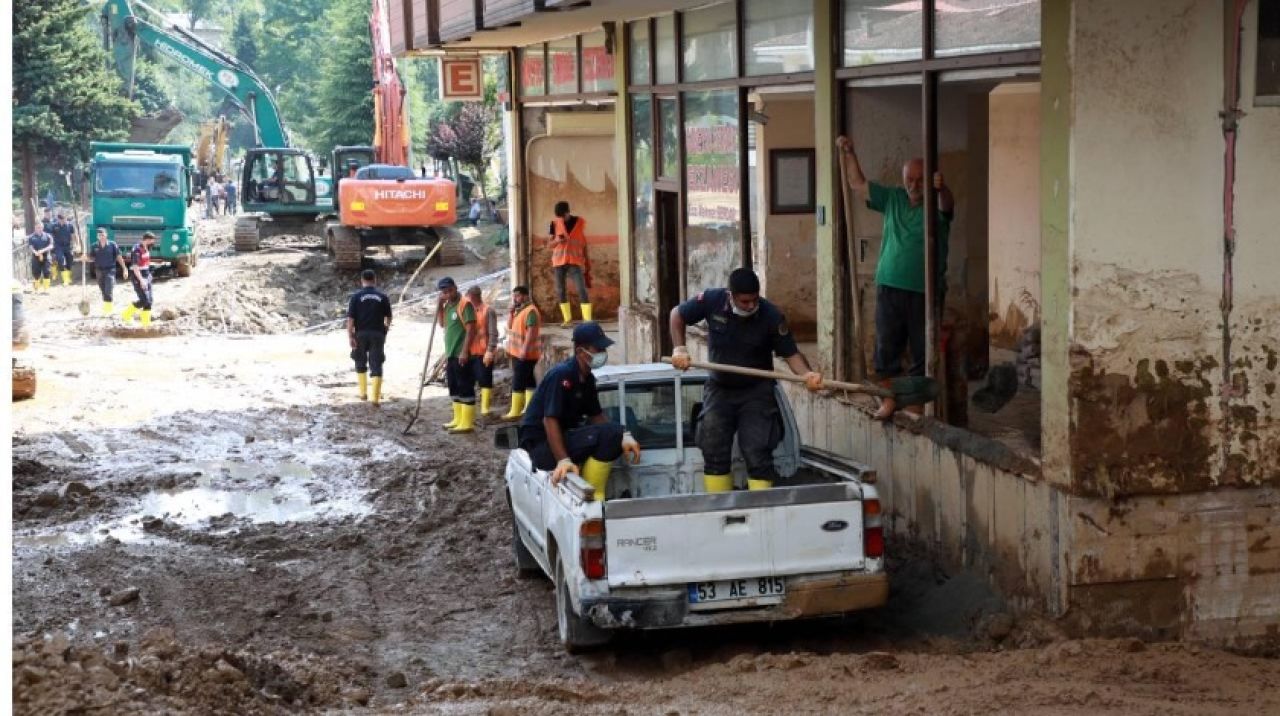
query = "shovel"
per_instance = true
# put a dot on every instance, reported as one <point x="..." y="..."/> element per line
<point x="84" y="261"/>
<point x="905" y="390"/>
<point x="426" y="366"/>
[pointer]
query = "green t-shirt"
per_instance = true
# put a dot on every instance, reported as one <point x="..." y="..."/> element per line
<point x="902" y="245"/>
<point x="455" y="327"/>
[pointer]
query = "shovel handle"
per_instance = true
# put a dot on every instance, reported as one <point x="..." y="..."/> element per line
<point x="778" y="375"/>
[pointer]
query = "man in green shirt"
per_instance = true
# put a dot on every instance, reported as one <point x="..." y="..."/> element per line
<point x="458" y="318"/>
<point x="900" y="306"/>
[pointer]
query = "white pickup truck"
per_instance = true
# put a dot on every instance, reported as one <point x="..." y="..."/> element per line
<point x="661" y="553"/>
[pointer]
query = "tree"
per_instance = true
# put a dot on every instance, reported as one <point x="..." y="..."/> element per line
<point x="470" y="139"/>
<point x="343" y="89"/>
<point x="63" y="94"/>
<point x="244" y="37"/>
<point x="197" y="10"/>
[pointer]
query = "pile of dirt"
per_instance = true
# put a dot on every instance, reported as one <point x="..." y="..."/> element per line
<point x="161" y="674"/>
<point x="285" y="293"/>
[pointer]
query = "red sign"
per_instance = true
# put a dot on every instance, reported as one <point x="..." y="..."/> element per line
<point x="460" y="80"/>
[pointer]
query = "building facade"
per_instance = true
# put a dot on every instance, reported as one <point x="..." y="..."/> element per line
<point x="1116" y="168"/>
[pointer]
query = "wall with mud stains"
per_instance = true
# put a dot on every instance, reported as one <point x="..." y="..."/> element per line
<point x="1014" y="211"/>
<point x="582" y="171"/>
<point x="1147" y="353"/>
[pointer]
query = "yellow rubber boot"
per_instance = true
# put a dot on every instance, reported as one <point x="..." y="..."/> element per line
<point x="466" y="419"/>
<point x="586" y="312"/>
<point x="377" y="390"/>
<point x="528" y="400"/>
<point x="566" y="315"/>
<point x="517" y="407"/>
<point x="36" y="284"/>
<point x="108" y="308"/>
<point x="146" y="317"/>
<point x="362" y="380"/>
<point x="755" y="483"/>
<point x="44" y="283"/>
<point x="457" y="415"/>
<point x="717" y="483"/>
<point x="128" y="313"/>
<point x="66" y="277"/>
<point x="486" y="394"/>
<point x="596" y="473"/>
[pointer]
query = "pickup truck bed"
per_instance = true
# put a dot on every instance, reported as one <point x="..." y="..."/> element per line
<point x="662" y="553"/>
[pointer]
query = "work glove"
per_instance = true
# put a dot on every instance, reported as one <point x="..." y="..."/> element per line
<point x="563" y="468"/>
<point x="813" y="381"/>
<point x="630" y="447"/>
<point x="680" y="359"/>
<point x="488" y="358"/>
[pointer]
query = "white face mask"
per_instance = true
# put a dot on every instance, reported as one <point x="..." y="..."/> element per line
<point x="742" y="311"/>
<point x="598" y="359"/>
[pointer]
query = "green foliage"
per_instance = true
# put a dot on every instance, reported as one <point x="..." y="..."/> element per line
<point x="63" y="94"/>
<point x="244" y="37"/>
<point x="343" y="89"/>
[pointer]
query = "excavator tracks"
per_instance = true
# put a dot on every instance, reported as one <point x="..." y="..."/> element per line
<point x="454" y="250"/>
<point x="344" y="244"/>
<point x="247" y="237"/>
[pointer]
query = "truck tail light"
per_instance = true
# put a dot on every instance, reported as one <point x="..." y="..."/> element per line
<point x="591" y="548"/>
<point x="872" y="529"/>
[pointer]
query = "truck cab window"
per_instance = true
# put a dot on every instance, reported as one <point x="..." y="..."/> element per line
<point x="650" y="412"/>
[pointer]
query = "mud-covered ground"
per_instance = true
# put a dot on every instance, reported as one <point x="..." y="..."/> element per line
<point x="207" y="520"/>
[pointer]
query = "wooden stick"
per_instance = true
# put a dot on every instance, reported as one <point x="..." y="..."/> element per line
<point x="851" y="244"/>
<point x="422" y="380"/>
<point x="430" y="254"/>
<point x="777" y="375"/>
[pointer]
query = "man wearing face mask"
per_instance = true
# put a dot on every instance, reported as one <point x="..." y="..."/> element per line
<point x="743" y="329"/>
<point x="564" y="429"/>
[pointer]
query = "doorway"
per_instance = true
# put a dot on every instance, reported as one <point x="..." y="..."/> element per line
<point x="667" y="207"/>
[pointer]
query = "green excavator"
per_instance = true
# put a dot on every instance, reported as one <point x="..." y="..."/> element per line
<point x="280" y="189"/>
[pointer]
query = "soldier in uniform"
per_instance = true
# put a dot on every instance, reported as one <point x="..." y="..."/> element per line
<point x="743" y="329"/>
<point x="564" y="429"/>
<point x="368" y="320"/>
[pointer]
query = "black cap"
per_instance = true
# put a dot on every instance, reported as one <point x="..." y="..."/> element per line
<point x="368" y="275"/>
<point x="445" y="282"/>
<point x="148" y="235"/>
<point x="591" y="334"/>
<point x="744" y="280"/>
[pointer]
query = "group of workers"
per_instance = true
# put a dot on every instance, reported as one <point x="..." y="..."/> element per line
<point x="57" y="240"/>
<point x="563" y="427"/>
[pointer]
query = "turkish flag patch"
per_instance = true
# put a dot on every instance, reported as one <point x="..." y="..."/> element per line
<point x="566" y="384"/>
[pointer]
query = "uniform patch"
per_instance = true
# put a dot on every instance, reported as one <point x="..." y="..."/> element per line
<point x="699" y="298"/>
<point x="783" y="328"/>
<point x="566" y="384"/>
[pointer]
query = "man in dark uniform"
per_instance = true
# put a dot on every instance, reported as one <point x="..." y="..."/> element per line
<point x="140" y="276"/>
<point x="745" y="330"/>
<point x="106" y="256"/>
<point x="64" y="240"/>
<point x="564" y="426"/>
<point x="368" y="320"/>
<point x="41" y="244"/>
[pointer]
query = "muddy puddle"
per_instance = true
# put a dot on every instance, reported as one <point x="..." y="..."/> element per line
<point x="218" y="495"/>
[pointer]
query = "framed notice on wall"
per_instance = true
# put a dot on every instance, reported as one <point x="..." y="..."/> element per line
<point x="791" y="181"/>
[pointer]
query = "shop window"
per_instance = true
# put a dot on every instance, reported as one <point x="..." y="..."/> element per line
<point x="963" y="27"/>
<point x="640" y="66"/>
<point x="710" y="43"/>
<point x="664" y="29"/>
<point x="713" y="235"/>
<point x="669" y="125"/>
<point x="1267" y="83"/>
<point x="597" y="64"/>
<point x="878" y="31"/>
<point x="779" y="36"/>
<point x="562" y="56"/>
<point x="533" y="71"/>
<point x="644" y="237"/>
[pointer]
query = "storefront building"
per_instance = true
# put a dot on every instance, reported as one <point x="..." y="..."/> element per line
<point x="1115" y="168"/>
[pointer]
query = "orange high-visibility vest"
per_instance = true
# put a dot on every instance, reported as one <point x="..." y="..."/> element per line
<point x="522" y="339"/>
<point x="573" y="251"/>
<point x="480" y="343"/>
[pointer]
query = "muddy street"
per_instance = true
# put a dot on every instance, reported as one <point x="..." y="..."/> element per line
<point x="208" y="520"/>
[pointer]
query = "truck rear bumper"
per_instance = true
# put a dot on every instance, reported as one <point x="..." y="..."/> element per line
<point x="807" y="596"/>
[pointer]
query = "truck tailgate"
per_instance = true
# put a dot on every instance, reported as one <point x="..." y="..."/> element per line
<point x="692" y="538"/>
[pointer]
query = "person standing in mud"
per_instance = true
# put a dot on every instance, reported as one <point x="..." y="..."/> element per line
<point x="106" y="256"/>
<point x="368" y="320"/>
<point x="458" y="318"/>
<point x="524" y="347"/>
<point x="140" y="276"/>
<point x="41" y="244"/>
<point x="484" y="343"/>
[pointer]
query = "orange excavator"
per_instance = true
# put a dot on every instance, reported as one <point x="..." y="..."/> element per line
<point x="383" y="202"/>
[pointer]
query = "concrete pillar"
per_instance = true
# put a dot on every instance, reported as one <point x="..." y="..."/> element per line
<point x="826" y="98"/>
<point x="622" y="147"/>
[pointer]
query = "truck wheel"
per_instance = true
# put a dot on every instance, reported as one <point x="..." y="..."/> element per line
<point x="247" y="238"/>
<point x="454" y="250"/>
<point x="183" y="265"/>
<point x="348" y="253"/>
<point x="577" y="634"/>
<point x="527" y="566"/>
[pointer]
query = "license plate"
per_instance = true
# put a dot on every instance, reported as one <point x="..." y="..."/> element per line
<point x="753" y="591"/>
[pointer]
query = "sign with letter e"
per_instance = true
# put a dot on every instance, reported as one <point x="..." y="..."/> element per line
<point x="460" y="79"/>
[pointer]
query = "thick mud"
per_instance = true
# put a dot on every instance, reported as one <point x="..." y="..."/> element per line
<point x="208" y="520"/>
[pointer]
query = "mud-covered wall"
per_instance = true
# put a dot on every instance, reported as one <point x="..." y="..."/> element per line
<point x="1149" y="409"/>
<point x="1014" y="211"/>
<point x="582" y="171"/>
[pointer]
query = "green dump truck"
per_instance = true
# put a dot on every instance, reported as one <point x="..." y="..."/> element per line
<point x="139" y="188"/>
